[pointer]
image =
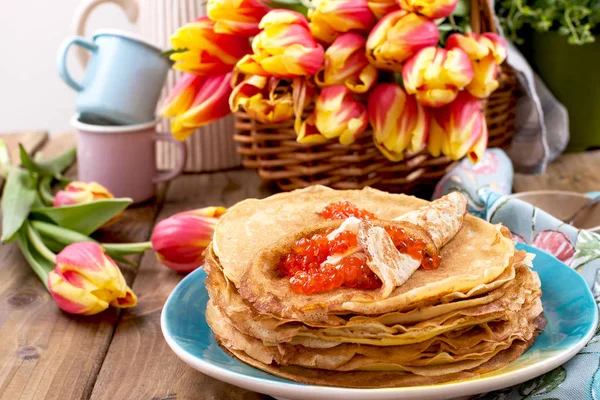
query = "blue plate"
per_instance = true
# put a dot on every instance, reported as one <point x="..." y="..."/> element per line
<point x="568" y="305"/>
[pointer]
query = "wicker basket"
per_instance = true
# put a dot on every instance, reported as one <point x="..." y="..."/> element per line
<point x="273" y="151"/>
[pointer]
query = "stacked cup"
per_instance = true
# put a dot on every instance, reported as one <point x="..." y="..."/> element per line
<point x="115" y="120"/>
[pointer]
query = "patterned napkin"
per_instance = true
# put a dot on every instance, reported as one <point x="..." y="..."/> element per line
<point x="487" y="185"/>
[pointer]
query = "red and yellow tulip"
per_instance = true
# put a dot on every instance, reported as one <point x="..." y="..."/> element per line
<point x="180" y="240"/>
<point x="486" y="51"/>
<point x="339" y="115"/>
<point x="284" y="48"/>
<point x="397" y="36"/>
<point x="196" y="101"/>
<point x="77" y="192"/>
<point x="204" y="51"/>
<point x="346" y="64"/>
<point x="459" y="129"/>
<point x="307" y="131"/>
<point x="330" y="18"/>
<point x="398" y="121"/>
<point x="266" y="99"/>
<point x="380" y="8"/>
<point x="436" y="75"/>
<point x="237" y="17"/>
<point x="432" y="9"/>
<point x="86" y="281"/>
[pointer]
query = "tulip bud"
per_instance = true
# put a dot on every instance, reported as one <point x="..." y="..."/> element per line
<point x="487" y="52"/>
<point x="346" y="64"/>
<point x="196" y="101"/>
<point x="436" y="75"/>
<point x="459" y="129"/>
<point x="77" y="192"/>
<point x="236" y="17"/>
<point x="180" y="240"/>
<point x="86" y="281"/>
<point x="398" y="121"/>
<point x="380" y="8"/>
<point x="339" y="114"/>
<point x="208" y="52"/>
<point x="284" y="48"/>
<point x="329" y="18"/>
<point x="432" y="9"/>
<point x="267" y="100"/>
<point x="397" y="36"/>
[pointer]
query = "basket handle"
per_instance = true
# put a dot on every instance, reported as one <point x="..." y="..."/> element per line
<point x="482" y="16"/>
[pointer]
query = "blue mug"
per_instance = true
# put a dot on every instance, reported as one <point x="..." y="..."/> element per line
<point x="122" y="81"/>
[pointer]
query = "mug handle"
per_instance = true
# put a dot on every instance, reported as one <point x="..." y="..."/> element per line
<point x="182" y="152"/>
<point x="61" y="59"/>
<point x="83" y="11"/>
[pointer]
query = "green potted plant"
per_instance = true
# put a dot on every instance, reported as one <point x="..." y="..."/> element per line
<point x="558" y="38"/>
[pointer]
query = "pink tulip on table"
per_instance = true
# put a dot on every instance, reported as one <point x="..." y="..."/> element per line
<point x="397" y="36"/>
<point x="208" y="52"/>
<point x="237" y="17"/>
<point x="436" y="75"/>
<point x="330" y="18"/>
<point x="339" y="115"/>
<point x="180" y="240"/>
<point x="77" y="192"/>
<point x="432" y="9"/>
<point x="346" y="64"/>
<point x="284" y="48"/>
<point x="196" y="101"/>
<point x="265" y="99"/>
<point x="398" y="121"/>
<point x="459" y="129"/>
<point x="86" y="281"/>
<point x="486" y="51"/>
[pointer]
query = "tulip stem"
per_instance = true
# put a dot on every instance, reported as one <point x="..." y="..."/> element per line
<point x="127" y="248"/>
<point x="38" y="244"/>
<point x="37" y="265"/>
<point x="46" y="191"/>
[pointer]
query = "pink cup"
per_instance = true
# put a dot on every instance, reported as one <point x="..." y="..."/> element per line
<point x="123" y="158"/>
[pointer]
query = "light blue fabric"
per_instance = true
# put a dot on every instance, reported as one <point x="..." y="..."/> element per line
<point x="487" y="187"/>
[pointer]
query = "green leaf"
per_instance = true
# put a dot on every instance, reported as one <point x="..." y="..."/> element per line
<point x="4" y="158"/>
<point x="300" y="6"/>
<point x="40" y="265"/>
<point x="53" y="167"/>
<point x="587" y="248"/>
<point x="543" y="384"/>
<point x="17" y="199"/>
<point x="87" y="217"/>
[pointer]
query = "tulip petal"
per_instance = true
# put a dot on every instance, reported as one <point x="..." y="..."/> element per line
<point x="432" y="9"/>
<point x="330" y="18"/>
<point x="236" y="17"/>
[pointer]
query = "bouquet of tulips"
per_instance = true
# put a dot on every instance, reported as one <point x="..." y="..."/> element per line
<point x="337" y="68"/>
<point x="54" y="233"/>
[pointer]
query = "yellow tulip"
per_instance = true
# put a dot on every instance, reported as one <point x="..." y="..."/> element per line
<point x="346" y="64"/>
<point x="436" y="75"/>
<point x="397" y="36"/>
<point x="266" y="99"/>
<point x="330" y="18"/>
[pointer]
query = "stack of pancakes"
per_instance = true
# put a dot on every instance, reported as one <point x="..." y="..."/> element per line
<point x="477" y="312"/>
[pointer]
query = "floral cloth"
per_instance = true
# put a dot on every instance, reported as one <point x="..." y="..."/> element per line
<point x="487" y="186"/>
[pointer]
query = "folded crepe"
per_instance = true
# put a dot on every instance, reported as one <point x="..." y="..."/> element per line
<point x="435" y="224"/>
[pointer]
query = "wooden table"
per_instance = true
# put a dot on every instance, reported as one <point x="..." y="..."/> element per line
<point x="47" y="354"/>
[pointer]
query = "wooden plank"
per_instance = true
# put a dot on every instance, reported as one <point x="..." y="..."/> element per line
<point x="577" y="172"/>
<point x="58" y="143"/>
<point x="45" y="353"/>
<point x="139" y="364"/>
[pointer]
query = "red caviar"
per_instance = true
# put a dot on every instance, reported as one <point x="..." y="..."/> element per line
<point x="307" y="274"/>
<point x="345" y="209"/>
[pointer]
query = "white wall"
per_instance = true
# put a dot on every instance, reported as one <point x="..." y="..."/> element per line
<point x="32" y="96"/>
